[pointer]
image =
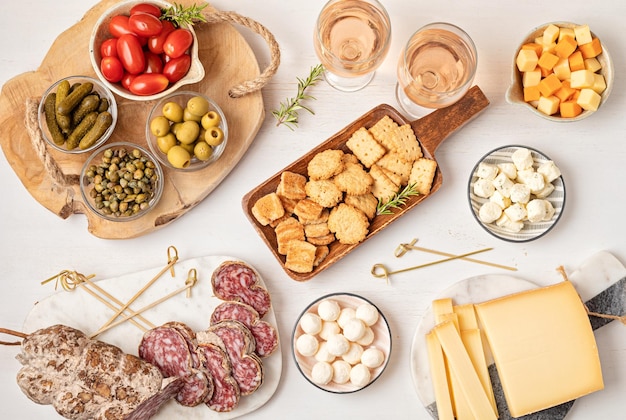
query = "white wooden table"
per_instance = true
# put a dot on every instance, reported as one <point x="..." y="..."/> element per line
<point x="35" y="244"/>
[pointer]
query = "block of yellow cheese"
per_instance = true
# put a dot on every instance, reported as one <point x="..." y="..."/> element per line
<point x="461" y="368"/>
<point x="543" y="346"/>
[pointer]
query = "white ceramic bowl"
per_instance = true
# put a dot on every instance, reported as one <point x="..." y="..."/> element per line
<point x="530" y="231"/>
<point x="98" y="88"/>
<point x="515" y="92"/>
<point x="181" y="98"/>
<point x="101" y="32"/>
<point x="99" y="162"/>
<point x="381" y="341"/>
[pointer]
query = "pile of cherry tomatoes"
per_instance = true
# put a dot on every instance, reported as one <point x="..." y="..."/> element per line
<point x="145" y="53"/>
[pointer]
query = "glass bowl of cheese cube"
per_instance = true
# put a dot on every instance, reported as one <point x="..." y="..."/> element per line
<point x="561" y="71"/>
<point x="516" y="193"/>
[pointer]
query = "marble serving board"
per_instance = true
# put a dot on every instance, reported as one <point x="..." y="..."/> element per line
<point x="600" y="281"/>
<point x="79" y="309"/>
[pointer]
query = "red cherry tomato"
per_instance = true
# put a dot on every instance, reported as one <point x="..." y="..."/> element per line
<point x="118" y="26"/>
<point x="112" y="69"/>
<point x="148" y="84"/>
<point x="144" y="24"/>
<point x="154" y="64"/>
<point x="130" y="54"/>
<point x="127" y="79"/>
<point x="151" y="9"/>
<point x="176" y="68"/>
<point x="177" y="42"/>
<point x="108" y="48"/>
<point x="155" y="43"/>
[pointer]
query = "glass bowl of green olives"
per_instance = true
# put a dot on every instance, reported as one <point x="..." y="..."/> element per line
<point x="77" y="114"/>
<point x="186" y="131"/>
<point x="121" y="182"/>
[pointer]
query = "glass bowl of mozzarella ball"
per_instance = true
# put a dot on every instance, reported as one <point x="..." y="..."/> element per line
<point x="516" y="193"/>
<point x="341" y="343"/>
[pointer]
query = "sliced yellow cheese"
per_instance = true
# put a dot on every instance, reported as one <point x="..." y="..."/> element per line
<point x="462" y="369"/>
<point x="440" y="307"/>
<point x="473" y="343"/>
<point x="439" y="378"/>
<point x="466" y="316"/>
<point x="543" y="346"/>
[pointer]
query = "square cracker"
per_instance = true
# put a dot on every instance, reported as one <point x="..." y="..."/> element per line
<point x="383" y="130"/>
<point x="367" y="203"/>
<point x="422" y="174"/>
<point x="383" y="187"/>
<point x="365" y="147"/>
<point x="308" y="210"/>
<point x="291" y="186"/>
<point x="300" y="256"/>
<point x="406" y="144"/>
<point x="394" y="162"/>
<point x="286" y="231"/>
<point x="268" y="208"/>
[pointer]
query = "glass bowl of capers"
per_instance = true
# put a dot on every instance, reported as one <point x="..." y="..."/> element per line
<point x="186" y="131"/>
<point x="121" y="182"/>
<point x="77" y="114"/>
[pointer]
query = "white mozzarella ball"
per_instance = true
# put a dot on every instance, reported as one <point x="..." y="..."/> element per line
<point x="322" y="373"/>
<point x="311" y="323"/>
<point x="367" y="313"/>
<point x="329" y="328"/>
<point x="354" y="353"/>
<point x="354" y="329"/>
<point x="328" y="310"/>
<point x="322" y="354"/>
<point x="367" y="338"/>
<point x="337" y="344"/>
<point x="345" y="315"/>
<point x="341" y="371"/>
<point x="372" y="357"/>
<point x="360" y="375"/>
<point x="307" y="345"/>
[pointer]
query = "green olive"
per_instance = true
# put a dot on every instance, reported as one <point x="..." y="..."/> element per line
<point x="178" y="157"/>
<point x="202" y="150"/>
<point x="214" y="136"/>
<point x="210" y="119"/>
<point x="188" y="132"/>
<point x="198" y="106"/>
<point x="174" y="127"/>
<point x="189" y="116"/>
<point x="188" y="147"/>
<point x="160" y="126"/>
<point x="166" y="142"/>
<point x="173" y="112"/>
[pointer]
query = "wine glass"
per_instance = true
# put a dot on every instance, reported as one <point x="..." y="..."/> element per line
<point x="436" y="68"/>
<point x="351" y="39"/>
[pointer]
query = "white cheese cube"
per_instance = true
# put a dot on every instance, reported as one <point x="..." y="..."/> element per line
<point x="581" y="79"/>
<point x="549" y="170"/>
<point x="583" y="34"/>
<point x="562" y="70"/>
<point x="483" y="188"/>
<point x="563" y="32"/>
<point x="486" y="171"/>
<point x="592" y="64"/>
<point x="526" y="60"/>
<point x="512" y="226"/>
<point x="524" y="175"/>
<point x="536" y="210"/>
<point x="522" y="158"/>
<point x="509" y="169"/>
<point x="503" y="184"/>
<point x="536" y="183"/>
<point x="548" y="105"/>
<point x="550" y="210"/>
<point x="547" y="190"/>
<point x="599" y="84"/>
<point x="516" y="212"/>
<point x="589" y="100"/>
<point x="489" y="212"/>
<point x="500" y="199"/>
<point x="520" y="193"/>
<point x="531" y="78"/>
<point x="550" y="34"/>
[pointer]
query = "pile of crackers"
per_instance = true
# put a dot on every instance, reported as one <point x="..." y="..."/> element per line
<point x="337" y="198"/>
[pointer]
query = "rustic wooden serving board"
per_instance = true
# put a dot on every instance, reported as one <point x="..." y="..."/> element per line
<point x="431" y="130"/>
<point x="228" y="60"/>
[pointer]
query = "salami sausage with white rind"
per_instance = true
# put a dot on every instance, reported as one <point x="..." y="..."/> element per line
<point x="226" y="392"/>
<point x="237" y="281"/>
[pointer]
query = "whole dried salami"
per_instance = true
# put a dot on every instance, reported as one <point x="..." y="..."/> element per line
<point x="236" y="340"/>
<point x="226" y="393"/>
<point x="237" y="281"/>
<point x="171" y="348"/>
<point x="265" y="335"/>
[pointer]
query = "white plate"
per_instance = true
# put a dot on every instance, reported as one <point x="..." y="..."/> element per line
<point x="80" y="310"/>
<point x="382" y="341"/>
<point x="530" y="231"/>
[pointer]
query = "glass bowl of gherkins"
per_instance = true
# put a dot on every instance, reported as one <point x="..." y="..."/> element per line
<point x="77" y="114"/>
<point x="121" y="181"/>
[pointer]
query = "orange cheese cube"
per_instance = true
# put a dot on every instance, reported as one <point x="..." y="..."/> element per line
<point x="566" y="92"/>
<point x="526" y="60"/>
<point x="566" y="32"/>
<point x="537" y="48"/>
<point x="565" y="47"/>
<point x="576" y="61"/>
<point x="532" y="93"/>
<point x="570" y="109"/>
<point x="549" y="85"/>
<point x="547" y="60"/>
<point x="591" y="49"/>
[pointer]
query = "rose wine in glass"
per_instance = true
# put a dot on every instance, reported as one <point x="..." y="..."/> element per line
<point x="436" y="68"/>
<point x="351" y="39"/>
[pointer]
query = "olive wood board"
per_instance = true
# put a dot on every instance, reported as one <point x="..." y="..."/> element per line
<point x="431" y="130"/>
<point x="81" y="310"/>
<point x="220" y="46"/>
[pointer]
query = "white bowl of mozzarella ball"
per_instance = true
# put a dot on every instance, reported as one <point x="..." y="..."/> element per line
<point x="341" y="343"/>
<point x="516" y="193"/>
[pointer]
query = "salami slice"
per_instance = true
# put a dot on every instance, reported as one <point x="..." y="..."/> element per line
<point x="236" y="340"/>
<point x="237" y="281"/>
<point x="226" y="393"/>
<point x="171" y="347"/>
<point x="265" y="335"/>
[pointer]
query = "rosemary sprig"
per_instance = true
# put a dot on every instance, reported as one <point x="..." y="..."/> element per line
<point x="180" y="15"/>
<point x="397" y="200"/>
<point x="288" y="112"/>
